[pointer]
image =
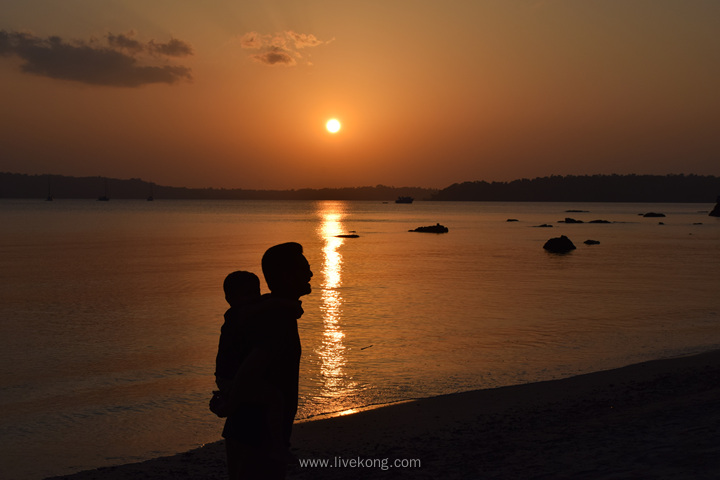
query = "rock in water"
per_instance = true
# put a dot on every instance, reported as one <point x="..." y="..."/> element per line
<point x="560" y="244"/>
<point x="716" y="210"/>
<point x="431" y="229"/>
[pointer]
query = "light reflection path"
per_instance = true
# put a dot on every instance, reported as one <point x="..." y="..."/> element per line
<point x="332" y="351"/>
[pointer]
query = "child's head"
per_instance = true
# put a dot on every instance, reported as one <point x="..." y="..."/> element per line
<point x="241" y="287"/>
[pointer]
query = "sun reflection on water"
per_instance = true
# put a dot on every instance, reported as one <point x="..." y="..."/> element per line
<point x="332" y="350"/>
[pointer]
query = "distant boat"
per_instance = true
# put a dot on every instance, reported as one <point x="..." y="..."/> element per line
<point x="49" y="197"/>
<point x="402" y="199"/>
<point x="104" y="198"/>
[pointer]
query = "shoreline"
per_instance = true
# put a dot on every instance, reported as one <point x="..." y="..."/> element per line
<point x="655" y="419"/>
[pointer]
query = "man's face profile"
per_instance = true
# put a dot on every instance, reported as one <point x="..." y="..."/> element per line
<point x="301" y="275"/>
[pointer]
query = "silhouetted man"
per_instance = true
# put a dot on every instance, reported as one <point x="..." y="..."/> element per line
<point x="264" y="397"/>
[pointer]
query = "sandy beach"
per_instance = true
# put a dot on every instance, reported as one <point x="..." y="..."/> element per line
<point x="658" y="419"/>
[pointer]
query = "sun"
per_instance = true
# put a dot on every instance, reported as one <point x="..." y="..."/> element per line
<point x="333" y="125"/>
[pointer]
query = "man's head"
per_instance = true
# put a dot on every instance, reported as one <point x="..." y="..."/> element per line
<point x="287" y="271"/>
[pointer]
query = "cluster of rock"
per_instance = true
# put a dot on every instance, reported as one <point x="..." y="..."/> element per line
<point x="563" y="244"/>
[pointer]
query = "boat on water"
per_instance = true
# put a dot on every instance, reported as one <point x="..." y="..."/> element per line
<point x="104" y="198"/>
<point x="50" y="196"/>
<point x="402" y="199"/>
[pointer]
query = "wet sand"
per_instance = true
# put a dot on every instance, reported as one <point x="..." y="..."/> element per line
<point x="658" y="419"/>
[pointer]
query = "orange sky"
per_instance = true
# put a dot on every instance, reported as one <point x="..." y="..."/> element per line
<point x="236" y="94"/>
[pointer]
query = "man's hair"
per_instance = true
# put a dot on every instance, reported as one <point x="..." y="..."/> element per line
<point x="241" y="282"/>
<point x="279" y="259"/>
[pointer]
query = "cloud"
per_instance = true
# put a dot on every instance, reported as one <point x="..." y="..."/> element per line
<point x="116" y="64"/>
<point x="279" y="48"/>
<point x="174" y="48"/>
<point x="303" y="40"/>
<point x="124" y="41"/>
<point x="251" y="40"/>
<point x="275" y="56"/>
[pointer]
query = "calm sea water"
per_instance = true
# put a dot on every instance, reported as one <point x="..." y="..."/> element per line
<point x="110" y="311"/>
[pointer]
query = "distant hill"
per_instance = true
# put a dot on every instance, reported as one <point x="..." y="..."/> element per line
<point x="556" y="188"/>
<point x="16" y="185"/>
<point x="594" y="188"/>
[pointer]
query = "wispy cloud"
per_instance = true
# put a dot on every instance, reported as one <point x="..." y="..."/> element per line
<point x="275" y="56"/>
<point x="281" y="48"/>
<point x="117" y="60"/>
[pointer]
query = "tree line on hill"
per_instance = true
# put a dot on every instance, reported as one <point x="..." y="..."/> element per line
<point x="590" y="188"/>
<point x="556" y="188"/>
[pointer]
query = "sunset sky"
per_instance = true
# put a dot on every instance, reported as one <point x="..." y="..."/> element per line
<point x="237" y="94"/>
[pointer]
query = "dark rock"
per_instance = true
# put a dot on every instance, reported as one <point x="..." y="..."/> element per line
<point x="560" y="244"/>
<point x="512" y="220"/>
<point x="576" y="211"/>
<point x="653" y="215"/>
<point x="591" y="242"/>
<point x="437" y="228"/>
<point x="348" y="235"/>
<point x="544" y="225"/>
<point x="570" y="220"/>
<point x="716" y="211"/>
<point x="599" y="221"/>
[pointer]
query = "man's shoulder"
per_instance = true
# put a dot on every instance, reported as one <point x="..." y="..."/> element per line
<point x="281" y="308"/>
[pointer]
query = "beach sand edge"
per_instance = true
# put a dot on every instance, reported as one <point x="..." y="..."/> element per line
<point x="656" y="419"/>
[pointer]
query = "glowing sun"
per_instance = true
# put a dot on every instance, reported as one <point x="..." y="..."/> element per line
<point x="333" y="125"/>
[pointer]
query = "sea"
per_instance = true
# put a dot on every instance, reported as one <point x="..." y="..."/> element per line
<point x="110" y="312"/>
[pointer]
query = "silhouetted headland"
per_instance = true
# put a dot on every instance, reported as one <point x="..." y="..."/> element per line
<point x="589" y="188"/>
